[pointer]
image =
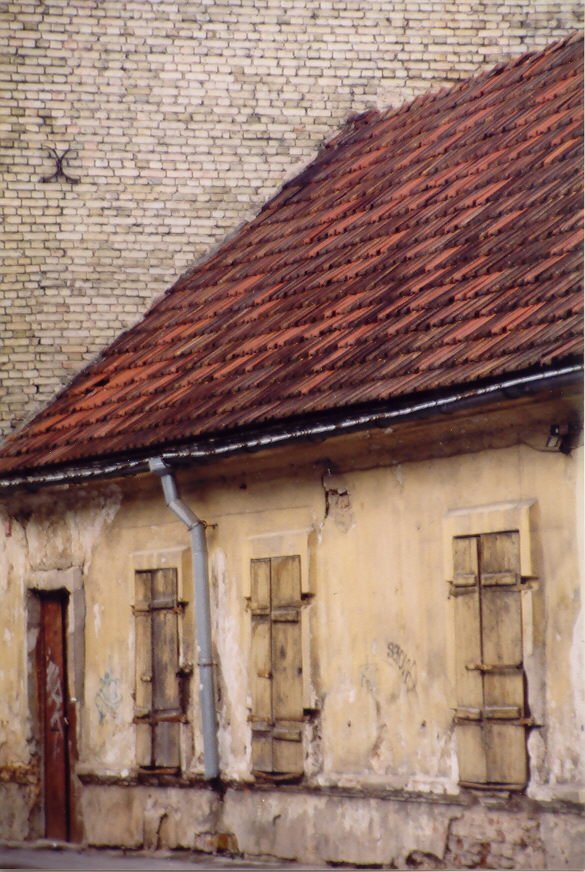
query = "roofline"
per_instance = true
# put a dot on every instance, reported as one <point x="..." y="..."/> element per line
<point x="216" y="447"/>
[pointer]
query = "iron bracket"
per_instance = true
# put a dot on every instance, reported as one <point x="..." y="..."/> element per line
<point x="59" y="171"/>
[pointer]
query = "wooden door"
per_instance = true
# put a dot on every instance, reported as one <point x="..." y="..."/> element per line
<point x="54" y="727"/>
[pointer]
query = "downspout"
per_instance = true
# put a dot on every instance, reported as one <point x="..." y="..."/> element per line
<point x="202" y="614"/>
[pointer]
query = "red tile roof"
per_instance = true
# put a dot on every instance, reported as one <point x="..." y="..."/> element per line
<point x="435" y="245"/>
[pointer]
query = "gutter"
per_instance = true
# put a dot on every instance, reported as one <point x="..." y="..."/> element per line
<point x="202" y="614"/>
<point x="215" y="447"/>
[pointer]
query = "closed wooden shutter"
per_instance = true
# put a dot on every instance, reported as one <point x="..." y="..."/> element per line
<point x="277" y="707"/>
<point x="491" y="724"/>
<point x="143" y="664"/>
<point x="158" y="705"/>
<point x="503" y="676"/>
<point x="468" y="648"/>
<point x="261" y="667"/>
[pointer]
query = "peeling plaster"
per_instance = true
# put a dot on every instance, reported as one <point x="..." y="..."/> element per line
<point x="566" y="776"/>
<point x="97" y="617"/>
<point x="399" y="475"/>
<point x="313" y="744"/>
<point x="108" y="697"/>
<point x="378" y="754"/>
<point x="41" y="537"/>
<point x="577" y="663"/>
<point x="337" y="502"/>
<point x="373" y="733"/>
<point x="88" y="525"/>
<point x="350" y="714"/>
<point x="232" y="677"/>
<point x="54" y="536"/>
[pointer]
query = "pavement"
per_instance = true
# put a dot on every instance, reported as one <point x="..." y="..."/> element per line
<point x="62" y="856"/>
<point x="45" y="854"/>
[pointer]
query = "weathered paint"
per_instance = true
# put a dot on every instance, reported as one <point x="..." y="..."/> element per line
<point x="54" y="724"/>
<point x="378" y="649"/>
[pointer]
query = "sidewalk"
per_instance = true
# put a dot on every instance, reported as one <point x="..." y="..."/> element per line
<point x="49" y="855"/>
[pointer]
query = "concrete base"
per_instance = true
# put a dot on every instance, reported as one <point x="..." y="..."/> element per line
<point x="405" y="833"/>
<point x="150" y="817"/>
<point x="324" y="826"/>
<point x="17" y="811"/>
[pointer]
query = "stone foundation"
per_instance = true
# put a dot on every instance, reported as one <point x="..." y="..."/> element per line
<point x="402" y="831"/>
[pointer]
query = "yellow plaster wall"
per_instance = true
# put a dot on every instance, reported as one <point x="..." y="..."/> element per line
<point x="378" y="631"/>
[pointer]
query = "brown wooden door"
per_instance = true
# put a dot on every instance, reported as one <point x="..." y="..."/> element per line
<point x="52" y="672"/>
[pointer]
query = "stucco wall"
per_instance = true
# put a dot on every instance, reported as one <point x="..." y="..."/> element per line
<point x="378" y="642"/>
<point x="183" y="118"/>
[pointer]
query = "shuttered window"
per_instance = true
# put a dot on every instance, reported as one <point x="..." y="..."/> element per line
<point x="276" y="668"/>
<point x="158" y="708"/>
<point x="491" y="712"/>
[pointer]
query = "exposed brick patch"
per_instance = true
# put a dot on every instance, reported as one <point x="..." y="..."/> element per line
<point x="488" y="840"/>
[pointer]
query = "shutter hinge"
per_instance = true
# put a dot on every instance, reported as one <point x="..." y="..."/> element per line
<point x="493" y="667"/>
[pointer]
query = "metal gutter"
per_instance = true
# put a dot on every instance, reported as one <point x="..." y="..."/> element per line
<point x="196" y="529"/>
<point x="223" y="446"/>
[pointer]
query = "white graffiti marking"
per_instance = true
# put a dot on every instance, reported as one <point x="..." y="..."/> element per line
<point x="54" y="695"/>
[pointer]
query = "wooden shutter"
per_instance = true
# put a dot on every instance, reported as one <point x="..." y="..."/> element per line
<point x="143" y="663"/>
<point x="261" y="667"/>
<point x="277" y="707"/>
<point x="287" y="689"/>
<point x="158" y="704"/>
<point x="468" y="657"/>
<point x="489" y="670"/>
<point x="503" y="676"/>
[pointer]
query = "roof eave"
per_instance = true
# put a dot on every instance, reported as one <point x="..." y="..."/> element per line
<point x="320" y="427"/>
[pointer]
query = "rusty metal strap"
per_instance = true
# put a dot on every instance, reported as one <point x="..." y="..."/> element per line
<point x="499" y="716"/>
<point x="494" y="668"/>
<point x="154" y="718"/>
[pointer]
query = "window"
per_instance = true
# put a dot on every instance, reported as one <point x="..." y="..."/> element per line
<point x="491" y="714"/>
<point x="160" y="701"/>
<point x="277" y="697"/>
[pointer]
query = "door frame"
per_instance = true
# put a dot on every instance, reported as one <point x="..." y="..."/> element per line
<point x="53" y="636"/>
<point x="68" y="584"/>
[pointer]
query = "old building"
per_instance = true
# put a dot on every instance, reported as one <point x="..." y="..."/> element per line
<point x="136" y="135"/>
<point x="294" y="568"/>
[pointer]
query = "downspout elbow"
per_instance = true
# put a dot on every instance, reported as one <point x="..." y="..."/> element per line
<point x="171" y="495"/>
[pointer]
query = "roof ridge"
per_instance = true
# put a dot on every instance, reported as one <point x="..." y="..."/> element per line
<point x="374" y="115"/>
<point x="355" y="124"/>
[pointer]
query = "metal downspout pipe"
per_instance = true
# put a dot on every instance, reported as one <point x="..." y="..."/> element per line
<point x="202" y="614"/>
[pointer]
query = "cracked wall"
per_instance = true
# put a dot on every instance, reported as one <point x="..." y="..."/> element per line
<point x="48" y="544"/>
<point x="377" y="658"/>
<point x="404" y="833"/>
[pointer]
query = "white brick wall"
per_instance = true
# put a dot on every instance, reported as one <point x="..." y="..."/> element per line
<point x="185" y="117"/>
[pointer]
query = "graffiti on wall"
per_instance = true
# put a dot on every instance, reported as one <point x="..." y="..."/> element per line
<point x="108" y="697"/>
<point x="406" y="665"/>
<point x="54" y="696"/>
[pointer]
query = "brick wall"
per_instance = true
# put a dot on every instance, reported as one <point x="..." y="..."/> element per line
<point x="184" y="117"/>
